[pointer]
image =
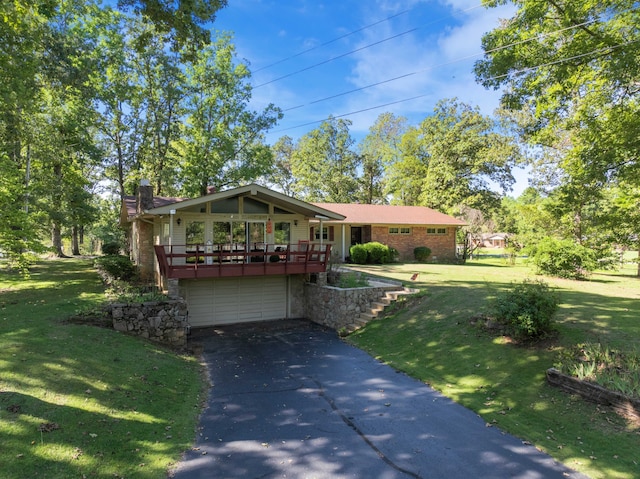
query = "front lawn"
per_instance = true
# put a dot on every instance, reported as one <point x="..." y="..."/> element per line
<point x="81" y="401"/>
<point x="437" y="339"/>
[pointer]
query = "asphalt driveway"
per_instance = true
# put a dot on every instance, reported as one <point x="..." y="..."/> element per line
<point x="291" y="400"/>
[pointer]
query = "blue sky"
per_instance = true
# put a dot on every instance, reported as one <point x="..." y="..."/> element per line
<point x="301" y="52"/>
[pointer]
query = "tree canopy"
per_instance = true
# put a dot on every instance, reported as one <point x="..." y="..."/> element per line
<point x="575" y="65"/>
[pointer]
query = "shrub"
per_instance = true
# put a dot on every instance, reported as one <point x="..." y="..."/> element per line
<point x="358" y="254"/>
<point x="527" y="310"/>
<point x="111" y="248"/>
<point x="372" y="253"/>
<point x="563" y="258"/>
<point x="377" y="253"/>
<point x="421" y="253"/>
<point x="116" y="267"/>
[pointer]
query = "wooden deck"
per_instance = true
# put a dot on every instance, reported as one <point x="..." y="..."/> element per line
<point x="220" y="261"/>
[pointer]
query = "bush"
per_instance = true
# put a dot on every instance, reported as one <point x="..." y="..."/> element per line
<point x="421" y="253"/>
<point x="111" y="248"/>
<point x="527" y="310"/>
<point x="372" y="253"/>
<point x="358" y="254"/>
<point x="116" y="267"/>
<point x="377" y="253"/>
<point x="563" y="258"/>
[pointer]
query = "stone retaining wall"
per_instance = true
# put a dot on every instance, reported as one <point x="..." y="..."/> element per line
<point x="336" y="308"/>
<point x="165" y="322"/>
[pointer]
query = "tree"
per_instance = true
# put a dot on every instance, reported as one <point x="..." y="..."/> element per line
<point x="454" y="157"/>
<point x="623" y="217"/>
<point x="182" y="22"/>
<point x="324" y="164"/>
<point x="121" y="103"/>
<point x="378" y="150"/>
<point x="576" y="66"/>
<point x="23" y="28"/>
<point x="281" y="175"/>
<point x="222" y="139"/>
<point x="470" y="235"/>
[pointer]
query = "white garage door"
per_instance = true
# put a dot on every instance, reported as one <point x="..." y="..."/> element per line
<point x="236" y="300"/>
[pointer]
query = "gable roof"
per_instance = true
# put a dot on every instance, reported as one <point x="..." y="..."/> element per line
<point x="164" y="205"/>
<point x="129" y="203"/>
<point x="390" y="214"/>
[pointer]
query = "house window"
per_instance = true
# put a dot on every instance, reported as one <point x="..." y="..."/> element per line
<point x="405" y="231"/>
<point x="325" y="233"/>
<point x="399" y="231"/>
<point x="228" y="205"/>
<point x="282" y="233"/>
<point x="251" y="206"/>
<point x="436" y="231"/>
<point x="221" y="232"/>
<point x="195" y="232"/>
<point x="394" y="231"/>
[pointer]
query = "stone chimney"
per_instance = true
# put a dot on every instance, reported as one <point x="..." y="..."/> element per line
<point x="211" y="189"/>
<point x="144" y="199"/>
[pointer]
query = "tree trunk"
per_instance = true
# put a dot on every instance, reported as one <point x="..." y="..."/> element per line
<point x="75" y="247"/>
<point x="56" y="240"/>
<point x="638" y="263"/>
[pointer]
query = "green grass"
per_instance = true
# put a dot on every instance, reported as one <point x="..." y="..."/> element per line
<point x="82" y="401"/>
<point x="434" y="340"/>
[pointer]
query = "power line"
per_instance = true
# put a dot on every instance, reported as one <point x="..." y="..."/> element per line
<point x="359" y="49"/>
<point x="432" y="67"/>
<point x="336" y="58"/>
<point x="331" y="41"/>
<point x="497" y="77"/>
<point x="352" y="113"/>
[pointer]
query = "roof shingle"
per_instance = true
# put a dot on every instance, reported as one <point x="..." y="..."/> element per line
<point x="390" y="214"/>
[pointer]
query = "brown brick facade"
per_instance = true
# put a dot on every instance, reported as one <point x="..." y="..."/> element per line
<point x="443" y="246"/>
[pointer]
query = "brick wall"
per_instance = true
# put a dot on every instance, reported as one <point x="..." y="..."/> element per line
<point x="443" y="247"/>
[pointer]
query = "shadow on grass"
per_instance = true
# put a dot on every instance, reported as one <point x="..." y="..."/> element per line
<point x="121" y="407"/>
<point x="434" y="341"/>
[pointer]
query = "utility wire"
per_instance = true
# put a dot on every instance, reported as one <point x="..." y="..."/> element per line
<point x="432" y="67"/>
<point x="497" y="77"/>
<point x="358" y="49"/>
<point x="335" y="58"/>
<point x="328" y="42"/>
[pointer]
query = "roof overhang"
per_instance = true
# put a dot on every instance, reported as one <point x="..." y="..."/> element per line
<point x="254" y="191"/>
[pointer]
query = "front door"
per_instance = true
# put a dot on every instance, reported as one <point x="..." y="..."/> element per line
<point x="356" y="235"/>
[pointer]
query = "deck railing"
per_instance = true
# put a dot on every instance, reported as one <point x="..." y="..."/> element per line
<point x="236" y="259"/>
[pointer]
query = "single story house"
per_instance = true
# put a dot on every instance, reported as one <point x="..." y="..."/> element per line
<point x="492" y="240"/>
<point x="244" y="254"/>
<point x="401" y="227"/>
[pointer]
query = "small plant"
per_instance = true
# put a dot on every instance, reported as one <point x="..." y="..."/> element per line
<point x="421" y="253"/>
<point x="610" y="368"/>
<point x="527" y="310"/>
<point x="352" y="280"/>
